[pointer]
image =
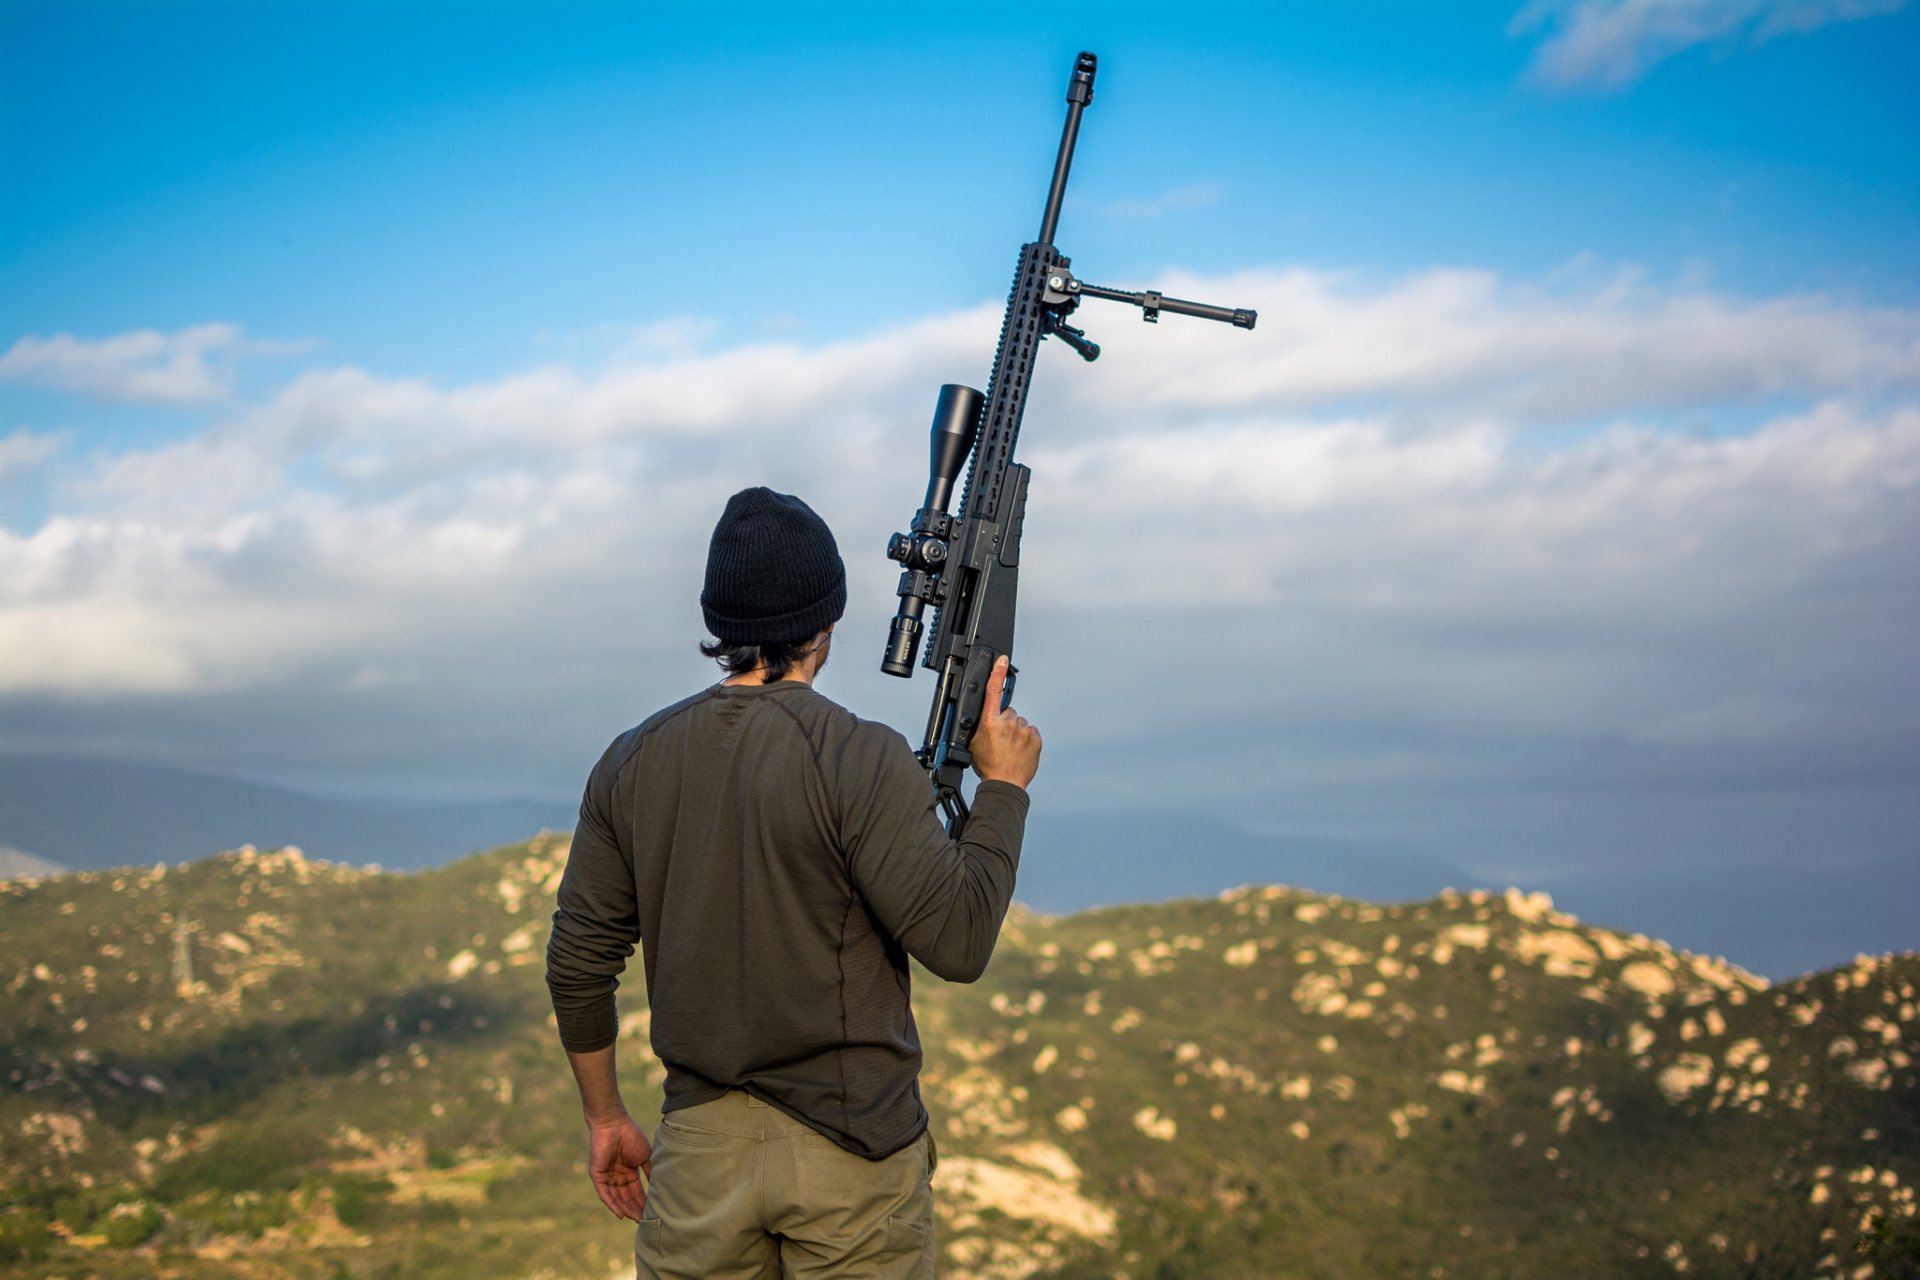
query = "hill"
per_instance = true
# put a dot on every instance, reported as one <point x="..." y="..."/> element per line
<point x="260" y="1065"/>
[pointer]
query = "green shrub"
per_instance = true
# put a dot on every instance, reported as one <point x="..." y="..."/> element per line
<point x="77" y="1209"/>
<point x="247" y="1213"/>
<point x="357" y="1199"/>
<point x="251" y="1157"/>
<point x="24" y="1235"/>
<point x="437" y="1212"/>
<point x="130" y="1225"/>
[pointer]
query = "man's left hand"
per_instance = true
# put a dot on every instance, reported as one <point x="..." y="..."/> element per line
<point x="617" y="1154"/>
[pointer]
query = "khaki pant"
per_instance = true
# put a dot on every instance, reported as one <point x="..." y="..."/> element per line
<point x="742" y="1191"/>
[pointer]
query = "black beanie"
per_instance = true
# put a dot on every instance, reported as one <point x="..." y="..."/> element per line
<point x="774" y="574"/>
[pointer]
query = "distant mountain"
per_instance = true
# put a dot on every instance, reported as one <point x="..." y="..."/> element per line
<point x="93" y="814"/>
<point x="1074" y="860"/>
<point x="97" y="814"/>
<point x="1774" y="920"/>
<point x="15" y="863"/>
<point x="259" y="1065"/>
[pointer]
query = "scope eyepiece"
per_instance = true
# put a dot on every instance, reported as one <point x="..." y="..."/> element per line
<point x="903" y="641"/>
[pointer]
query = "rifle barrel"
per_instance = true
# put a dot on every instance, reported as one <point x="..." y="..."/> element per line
<point x="1079" y="94"/>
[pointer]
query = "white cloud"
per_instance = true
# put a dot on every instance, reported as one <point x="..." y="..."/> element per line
<point x="1182" y="199"/>
<point x="1612" y="43"/>
<point x="25" y="451"/>
<point x="146" y="367"/>
<point x="675" y="337"/>
<point x="1623" y="586"/>
<point x="1533" y="353"/>
<point x="1343" y="523"/>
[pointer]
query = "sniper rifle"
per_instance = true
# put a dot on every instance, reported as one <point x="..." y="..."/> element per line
<point x="967" y="565"/>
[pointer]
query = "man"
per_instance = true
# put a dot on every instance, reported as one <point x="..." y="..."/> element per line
<point x="778" y="859"/>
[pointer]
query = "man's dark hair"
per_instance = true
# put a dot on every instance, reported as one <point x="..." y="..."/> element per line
<point x="778" y="658"/>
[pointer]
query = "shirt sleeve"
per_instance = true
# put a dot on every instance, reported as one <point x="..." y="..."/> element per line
<point x="595" y="924"/>
<point x="943" y="900"/>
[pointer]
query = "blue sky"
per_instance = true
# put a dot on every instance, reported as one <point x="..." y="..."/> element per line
<point x="369" y="376"/>
<point x="506" y="172"/>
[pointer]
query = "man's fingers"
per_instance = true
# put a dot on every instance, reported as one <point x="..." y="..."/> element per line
<point x="623" y="1199"/>
<point x="639" y="1153"/>
<point x="996" y="689"/>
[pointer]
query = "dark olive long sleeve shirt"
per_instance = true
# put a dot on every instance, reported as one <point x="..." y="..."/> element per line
<point x="777" y="859"/>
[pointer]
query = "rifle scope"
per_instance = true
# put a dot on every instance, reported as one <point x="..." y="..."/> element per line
<point x="923" y="551"/>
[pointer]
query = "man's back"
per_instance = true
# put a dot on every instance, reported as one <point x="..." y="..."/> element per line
<point x="778" y="858"/>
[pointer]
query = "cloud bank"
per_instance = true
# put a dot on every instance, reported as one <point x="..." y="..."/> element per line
<point x="190" y="366"/>
<point x="1449" y="530"/>
<point x="1609" y="44"/>
<point x="1189" y="198"/>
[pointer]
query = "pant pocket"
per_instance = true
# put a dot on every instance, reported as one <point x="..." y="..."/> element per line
<point x="908" y="1235"/>
<point x="686" y="1135"/>
<point x="649" y="1247"/>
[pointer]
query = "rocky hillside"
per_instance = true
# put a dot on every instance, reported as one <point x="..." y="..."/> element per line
<point x="258" y="1065"/>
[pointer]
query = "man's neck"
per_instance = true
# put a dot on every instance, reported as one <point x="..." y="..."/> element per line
<point x="803" y="671"/>
<point x="756" y="678"/>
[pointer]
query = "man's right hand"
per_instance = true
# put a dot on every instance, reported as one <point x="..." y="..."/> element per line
<point x="1005" y="747"/>
<point x="617" y="1154"/>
